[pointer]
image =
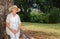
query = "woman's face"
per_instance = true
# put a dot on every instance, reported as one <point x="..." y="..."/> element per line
<point x="14" y="10"/>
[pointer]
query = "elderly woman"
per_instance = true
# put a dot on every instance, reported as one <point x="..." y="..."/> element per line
<point x="13" y="23"/>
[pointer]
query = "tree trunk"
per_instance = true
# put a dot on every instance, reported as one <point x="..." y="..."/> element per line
<point x="4" y="5"/>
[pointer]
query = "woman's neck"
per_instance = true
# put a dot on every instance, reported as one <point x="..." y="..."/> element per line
<point x="13" y="14"/>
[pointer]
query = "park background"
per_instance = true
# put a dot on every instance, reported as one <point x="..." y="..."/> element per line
<point x="40" y="18"/>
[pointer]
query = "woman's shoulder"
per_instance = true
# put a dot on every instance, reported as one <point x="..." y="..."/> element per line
<point x="17" y="15"/>
<point x="9" y="15"/>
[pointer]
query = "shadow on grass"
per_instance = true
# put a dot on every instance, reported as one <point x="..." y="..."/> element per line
<point x="41" y="35"/>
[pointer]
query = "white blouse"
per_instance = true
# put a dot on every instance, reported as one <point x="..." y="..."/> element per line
<point x="13" y="21"/>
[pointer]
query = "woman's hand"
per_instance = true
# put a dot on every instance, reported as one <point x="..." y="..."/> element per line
<point x="17" y="30"/>
<point x="19" y="27"/>
<point x="13" y="31"/>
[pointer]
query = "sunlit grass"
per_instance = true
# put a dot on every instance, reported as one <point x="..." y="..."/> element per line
<point x="48" y="28"/>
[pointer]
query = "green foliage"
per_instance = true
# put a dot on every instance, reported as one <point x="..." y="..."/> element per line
<point x="39" y="17"/>
<point x="49" y="14"/>
<point x="25" y="17"/>
<point x="22" y="16"/>
<point x="54" y="15"/>
<point x="41" y="0"/>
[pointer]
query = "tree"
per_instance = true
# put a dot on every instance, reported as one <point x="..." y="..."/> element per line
<point x="4" y="5"/>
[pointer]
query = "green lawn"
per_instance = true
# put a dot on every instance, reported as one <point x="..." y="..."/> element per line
<point x="47" y="28"/>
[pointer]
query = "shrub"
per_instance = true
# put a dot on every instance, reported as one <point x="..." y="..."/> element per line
<point x="22" y="16"/>
<point x="40" y="17"/>
<point x="54" y="15"/>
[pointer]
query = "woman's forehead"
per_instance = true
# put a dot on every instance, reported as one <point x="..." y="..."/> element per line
<point x="14" y="8"/>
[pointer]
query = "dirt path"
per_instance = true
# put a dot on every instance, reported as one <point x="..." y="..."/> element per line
<point x="41" y="35"/>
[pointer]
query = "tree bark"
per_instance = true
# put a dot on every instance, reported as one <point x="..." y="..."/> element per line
<point x="4" y="5"/>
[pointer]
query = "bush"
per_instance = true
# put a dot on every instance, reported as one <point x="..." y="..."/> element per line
<point x="40" y="17"/>
<point x="25" y="17"/>
<point x="22" y="16"/>
<point x="35" y="16"/>
<point x="54" y="15"/>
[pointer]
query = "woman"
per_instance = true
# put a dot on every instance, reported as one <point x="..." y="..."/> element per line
<point x="13" y="23"/>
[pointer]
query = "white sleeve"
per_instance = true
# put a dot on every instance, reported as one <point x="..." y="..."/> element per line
<point x="19" y="20"/>
<point x="7" y="18"/>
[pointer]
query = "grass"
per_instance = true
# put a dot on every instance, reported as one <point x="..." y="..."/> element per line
<point x="47" y="28"/>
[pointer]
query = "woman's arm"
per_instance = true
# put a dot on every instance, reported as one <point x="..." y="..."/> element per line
<point x="19" y="27"/>
<point x="19" y="24"/>
<point x="7" y="25"/>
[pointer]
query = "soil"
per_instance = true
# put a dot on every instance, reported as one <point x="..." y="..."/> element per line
<point x="41" y="35"/>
